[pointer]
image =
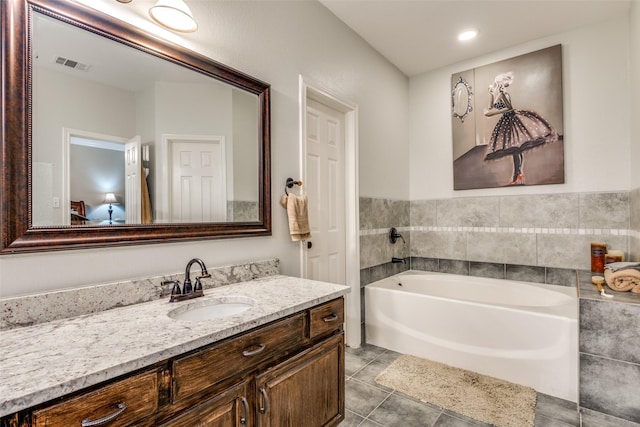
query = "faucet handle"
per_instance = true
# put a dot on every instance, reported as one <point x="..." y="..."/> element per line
<point x="176" y="288"/>
<point x="394" y="236"/>
<point x="198" y="286"/>
<point x="176" y="292"/>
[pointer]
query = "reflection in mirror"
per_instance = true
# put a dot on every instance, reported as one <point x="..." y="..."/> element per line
<point x="55" y="196"/>
<point x="172" y="144"/>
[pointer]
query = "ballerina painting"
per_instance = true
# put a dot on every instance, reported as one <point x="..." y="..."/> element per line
<point x="521" y="120"/>
<point x="517" y="130"/>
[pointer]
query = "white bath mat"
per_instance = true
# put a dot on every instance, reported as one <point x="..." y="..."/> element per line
<point x="483" y="398"/>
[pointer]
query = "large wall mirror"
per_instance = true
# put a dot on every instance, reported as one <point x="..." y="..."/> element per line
<point x="112" y="136"/>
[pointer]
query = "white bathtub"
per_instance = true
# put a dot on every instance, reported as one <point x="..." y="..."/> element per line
<point x="517" y="331"/>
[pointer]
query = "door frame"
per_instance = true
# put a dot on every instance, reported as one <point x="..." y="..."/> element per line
<point x="310" y="90"/>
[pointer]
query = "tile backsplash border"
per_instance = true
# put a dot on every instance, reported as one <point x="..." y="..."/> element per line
<point x="44" y="307"/>
<point x="518" y="273"/>
<point x="547" y="230"/>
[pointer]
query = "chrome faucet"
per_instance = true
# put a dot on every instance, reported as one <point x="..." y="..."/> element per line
<point x="188" y="291"/>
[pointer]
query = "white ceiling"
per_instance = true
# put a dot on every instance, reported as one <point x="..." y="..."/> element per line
<point x="110" y="63"/>
<point x="420" y="35"/>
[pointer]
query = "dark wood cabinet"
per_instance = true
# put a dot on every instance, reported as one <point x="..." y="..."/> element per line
<point x="126" y="400"/>
<point x="289" y="372"/>
<point x="307" y="390"/>
<point x="204" y="369"/>
<point x="230" y="408"/>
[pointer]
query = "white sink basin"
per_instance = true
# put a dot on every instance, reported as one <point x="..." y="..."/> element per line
<point x="212" y="309"/>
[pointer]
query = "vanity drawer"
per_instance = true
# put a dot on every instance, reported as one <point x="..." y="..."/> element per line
<point x="197" y="372"/>
<point x="326" y="318"/>
<point x="138" y="395"/>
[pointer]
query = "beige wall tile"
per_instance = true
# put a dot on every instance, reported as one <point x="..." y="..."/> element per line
<point x="604" y="210"/>
<point x="366" y="213"/>
<point x="572" y="211"/>
<point x="505" y="248"/>
<point x="438" y="244"/>
<point x="546" y="210"/>
<point x="572" y="251"/>
<point x="383" y="213"/>
<point x="372" y="250"/>
<point x="634" y="209"/>
<point x="634" y="249"/>
<point x="468" y="212"/>
<point x="424" y="213"/>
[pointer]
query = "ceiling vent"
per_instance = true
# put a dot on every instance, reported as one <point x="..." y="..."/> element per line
<point x="71" y="63"/>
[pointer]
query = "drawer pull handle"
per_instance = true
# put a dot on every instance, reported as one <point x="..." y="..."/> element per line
<point x="332" y="318"/>
<point x="265" y="399"/>
<point x="248" y="353"/>
<point x="245" y="404"/>
<point x="89" y="422"/>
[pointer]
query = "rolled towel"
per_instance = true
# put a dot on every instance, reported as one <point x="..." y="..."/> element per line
<point x="298" y="215"/>
<point x="623" y="280"/>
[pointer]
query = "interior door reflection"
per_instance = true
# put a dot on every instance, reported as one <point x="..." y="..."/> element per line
<point x="96" y="170"/>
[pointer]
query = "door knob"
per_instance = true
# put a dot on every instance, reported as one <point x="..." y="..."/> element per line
<point x="309" y="245"/>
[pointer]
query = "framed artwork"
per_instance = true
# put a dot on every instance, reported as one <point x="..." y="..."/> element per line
<point x="507" y="122"/>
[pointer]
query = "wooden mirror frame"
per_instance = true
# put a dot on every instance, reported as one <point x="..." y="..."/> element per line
<point x="16" y="233"/>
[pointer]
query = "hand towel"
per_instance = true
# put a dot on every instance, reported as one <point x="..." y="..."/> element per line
<point x="616" y="266"/>
<point x="298" y="213"/>
<point x="623" y="280"/>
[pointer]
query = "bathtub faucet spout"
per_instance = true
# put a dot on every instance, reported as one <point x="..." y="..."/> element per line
<point x="398" y="260"/>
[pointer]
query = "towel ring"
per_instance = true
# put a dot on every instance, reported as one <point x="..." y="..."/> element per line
<point x="290" y="183"/>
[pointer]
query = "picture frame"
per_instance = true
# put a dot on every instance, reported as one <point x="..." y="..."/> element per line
<point x="506" y="115"/>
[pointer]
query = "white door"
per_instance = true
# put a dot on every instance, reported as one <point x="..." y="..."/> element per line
<point x="324" y="258"/>
<point x="198" y="181"/>
<point x="133" y="181"/>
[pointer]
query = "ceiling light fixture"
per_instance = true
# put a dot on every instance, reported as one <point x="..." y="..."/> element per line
<point x="467" y="35"/>
<point x="174" y="15"/>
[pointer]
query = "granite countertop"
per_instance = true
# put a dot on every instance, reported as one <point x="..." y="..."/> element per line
<point x="48" y="360"/>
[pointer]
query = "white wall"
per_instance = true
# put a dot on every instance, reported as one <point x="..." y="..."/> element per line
<point x="275" y="42"/>
<point x="62" y="100"/>
<point x="596" y="116"/>
<point x="190" y="109"/>
<point x="244" y="168"/>
<point x="634" y="53"/>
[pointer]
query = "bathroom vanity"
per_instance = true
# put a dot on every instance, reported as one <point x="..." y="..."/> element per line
<point x="281" y="362"/>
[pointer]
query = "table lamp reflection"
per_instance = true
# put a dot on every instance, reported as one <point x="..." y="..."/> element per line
<point x="111" y="199"/>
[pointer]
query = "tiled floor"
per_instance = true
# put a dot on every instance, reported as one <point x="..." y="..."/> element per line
<point x="371" y="405"/>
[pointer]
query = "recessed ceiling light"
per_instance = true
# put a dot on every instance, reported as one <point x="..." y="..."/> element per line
<point x="467" y="35"/>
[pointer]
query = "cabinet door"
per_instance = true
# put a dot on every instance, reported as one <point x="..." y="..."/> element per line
<point x="230" y="408"/>
<point x="306" y="390"/>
